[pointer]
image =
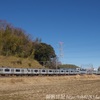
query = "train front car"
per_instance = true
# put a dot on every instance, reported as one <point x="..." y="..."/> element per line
<point x="81" y="71"/>
<point x="1" y="71"/>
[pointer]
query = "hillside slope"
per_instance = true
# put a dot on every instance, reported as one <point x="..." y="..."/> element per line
<point x="16" y="62"/>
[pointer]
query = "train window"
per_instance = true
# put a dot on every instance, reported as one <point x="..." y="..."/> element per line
<point x="28" y="70"/>
<point x="35" y="70"/>
<point x="7" y="70"/>
<point x="82" y="69"/>
<point x="62" y="71"/>
<point x="17" y="70"/>
<point x="31" y="70"/>
<point x="12" y="70"/>
<point x="66" y="70"/>
<point x="50" y="70"/>
<point x="71" y="71"/>
<point x="22" y="70"/>
<point x="1" y="69"/>
<point x="77" y="71"/>
<point x="43" y="70"/>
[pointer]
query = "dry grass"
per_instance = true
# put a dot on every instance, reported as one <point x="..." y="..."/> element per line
<point x="38" y="87"/>
<point x="7" y="61"/>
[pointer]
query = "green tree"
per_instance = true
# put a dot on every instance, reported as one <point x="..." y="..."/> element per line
<point x="44" y="53"/>
<point x="14" y="41"/>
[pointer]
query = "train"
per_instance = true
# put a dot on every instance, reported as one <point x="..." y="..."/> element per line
<point x="43" y="71"/>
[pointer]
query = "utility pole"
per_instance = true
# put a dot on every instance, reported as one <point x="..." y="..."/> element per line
<point x="60" y="53"/>
<point x="61" y="50"/>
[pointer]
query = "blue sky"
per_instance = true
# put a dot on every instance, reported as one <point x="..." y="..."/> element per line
<point x="76" y="23"/>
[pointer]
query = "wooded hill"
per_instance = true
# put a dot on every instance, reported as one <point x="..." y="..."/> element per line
<point x="16" y="46"/>
<point x="16" y="42"/>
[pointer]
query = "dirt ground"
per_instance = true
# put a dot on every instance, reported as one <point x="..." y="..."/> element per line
<point x="86" y="87"/>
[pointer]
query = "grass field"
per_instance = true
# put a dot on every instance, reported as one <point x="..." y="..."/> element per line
<point x="86" y="87"/>
<point x="12" y="61"/>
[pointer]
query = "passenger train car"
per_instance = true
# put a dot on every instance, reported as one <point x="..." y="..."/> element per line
<point x="31" y="71"/>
